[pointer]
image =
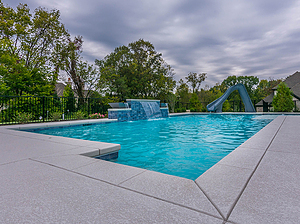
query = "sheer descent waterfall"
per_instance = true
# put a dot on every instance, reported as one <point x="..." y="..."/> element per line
<point x="137" y="109"/>
<point x="151" y="109"/>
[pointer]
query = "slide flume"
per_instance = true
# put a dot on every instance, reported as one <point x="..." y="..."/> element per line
<point x="216" y="106"/>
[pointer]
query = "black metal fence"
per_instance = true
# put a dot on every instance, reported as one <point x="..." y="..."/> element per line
<point x="30" y="109"/>
<point x="25" y="109"/>
<point x="231" y="106"/>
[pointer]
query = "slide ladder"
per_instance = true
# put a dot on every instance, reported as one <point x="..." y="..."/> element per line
<point x="216" y="106"/>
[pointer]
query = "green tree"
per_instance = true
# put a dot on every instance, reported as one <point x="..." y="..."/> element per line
<point x="17" y="79"/>
<point x="283" y="100"/>
<point x="208" y="95"/>
<point x="182" y="92"/>
<point x="83" y="75"/>
<point x="261" y="90"/>
<point x="195" y="80"/>
<point x="136" y="70"/>
<point x="264" y="88"/>
<point x="3" y="87"/>
<point x="69" y="100"/>
<point x="249" y="82"/>
<point x="195" y="104"/>
<point x="27" y="45"/>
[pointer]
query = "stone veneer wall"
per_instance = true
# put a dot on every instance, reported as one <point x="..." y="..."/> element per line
<point x="164" y="112"/>
<point x="120" y="114"/>
<point x="135" y="112"/>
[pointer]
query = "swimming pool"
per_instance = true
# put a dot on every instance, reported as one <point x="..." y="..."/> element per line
<point x="184" y="146"/>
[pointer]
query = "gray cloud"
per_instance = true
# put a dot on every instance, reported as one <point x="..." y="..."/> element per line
<point x="221" y="38"/>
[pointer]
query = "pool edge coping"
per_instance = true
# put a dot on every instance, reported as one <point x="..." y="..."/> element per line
<point x="8" y="127"/>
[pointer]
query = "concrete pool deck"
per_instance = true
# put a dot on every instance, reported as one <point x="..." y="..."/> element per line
<point x="45" y="179"/>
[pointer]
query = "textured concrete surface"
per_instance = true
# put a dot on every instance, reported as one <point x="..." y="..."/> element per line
<point x="173" y="189"/>
<point x="46" y="179"/>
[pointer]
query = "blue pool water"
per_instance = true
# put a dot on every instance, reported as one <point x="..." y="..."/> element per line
<point x="184" y="146"/>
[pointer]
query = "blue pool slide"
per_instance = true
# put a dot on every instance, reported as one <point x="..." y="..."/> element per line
<point x="216" y="106"/>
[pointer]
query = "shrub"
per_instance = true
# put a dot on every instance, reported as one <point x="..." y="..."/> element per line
<point x="226" y="107"/>
<point x="56" y="116"/>
<point x="179" y="110"/>
<point x="79" y="115"/>
<point x="204" y="109"/>
<point x="23" y="117"/>
<point x="195" y="105"/>
<point x="283" y="100"/>
<point x="97" y="116"/>
<point x="192" y="109"/>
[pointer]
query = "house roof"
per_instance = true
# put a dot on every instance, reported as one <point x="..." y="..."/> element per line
<point x="267" y="99"/>
<point x="292" y="81"/>
<point x="59" y="88"/>
<point x="296" y="90"/>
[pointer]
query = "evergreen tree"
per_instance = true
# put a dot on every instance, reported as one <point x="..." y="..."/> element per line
<point x="283" y="100"/>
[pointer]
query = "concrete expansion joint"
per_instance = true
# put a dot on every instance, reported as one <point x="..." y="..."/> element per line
<point x="206" y="195"/>
<point x="248" y="180"/>
<point x="131" y="177"/>
<point x="125" y="188"/>
<point x="171" y="202"/>
<point x="84" y="165"/>
<point x="3" y="164"/>
<point x="37" y="160"/>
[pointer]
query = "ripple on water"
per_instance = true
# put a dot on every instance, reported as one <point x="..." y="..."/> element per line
<point x="184" y="146"/>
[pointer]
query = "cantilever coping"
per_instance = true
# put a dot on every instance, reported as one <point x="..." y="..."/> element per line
<point x="88" y="148"/>
<point x="120" y="109"/>
<point x="59" y="124"/>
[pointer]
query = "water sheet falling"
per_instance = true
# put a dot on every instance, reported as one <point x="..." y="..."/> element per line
<point x="151" y="109"/>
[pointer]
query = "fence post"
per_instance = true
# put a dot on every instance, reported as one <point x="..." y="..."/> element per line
<point x="43" y="108"/>
<point x="88" y="105"/>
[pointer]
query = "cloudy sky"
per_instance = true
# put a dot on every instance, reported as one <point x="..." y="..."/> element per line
<point x="218" y="37"/>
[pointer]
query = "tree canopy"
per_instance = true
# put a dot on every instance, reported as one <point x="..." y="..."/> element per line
<point x="136" y="70"/>
<point x="195" y="80"/>
<point x="83" y="75"/>
<point x="27" y="49"/>
<point x="249" y="82"/>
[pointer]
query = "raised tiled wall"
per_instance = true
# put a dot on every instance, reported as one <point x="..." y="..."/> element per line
<point x="135" y="112"/>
